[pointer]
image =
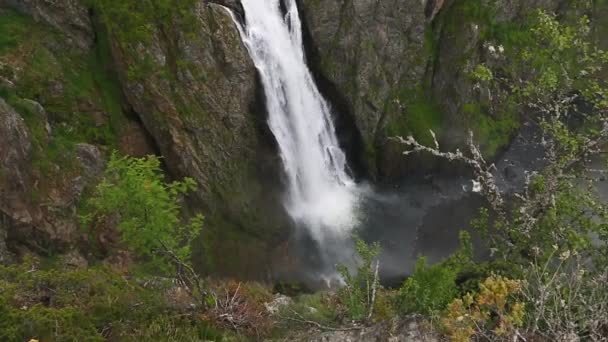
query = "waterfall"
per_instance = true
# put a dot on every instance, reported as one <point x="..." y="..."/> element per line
<point x="321" y="195"/>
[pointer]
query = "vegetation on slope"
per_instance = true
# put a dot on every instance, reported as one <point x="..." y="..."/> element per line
<point x="545" y="280"/>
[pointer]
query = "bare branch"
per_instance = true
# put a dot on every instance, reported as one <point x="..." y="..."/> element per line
<point x="482" y="170"/>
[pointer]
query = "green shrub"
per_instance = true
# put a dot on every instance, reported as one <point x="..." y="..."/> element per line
<point x="429" y="289"/>
<point x="359" y="290"/>
<point x="319" y="307"/>
<point x="432" y="287"/>
<point x="148" y="210"/>
<point x="94" y="304"/>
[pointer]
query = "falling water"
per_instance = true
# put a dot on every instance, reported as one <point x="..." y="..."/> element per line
<point x="321" y="195"/>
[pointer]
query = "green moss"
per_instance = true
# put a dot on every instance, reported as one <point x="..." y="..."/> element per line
<point x="14" y="28"/>
<point x="415" y="114"/>
<point x="491" y="132"/>
<point x="431" y="46"/>
<point x="71" y="85"/>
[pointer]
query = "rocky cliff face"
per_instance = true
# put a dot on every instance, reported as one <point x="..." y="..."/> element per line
<point x="78" y="82"/>
<point x="67" y="16"/>
<point x="197" y="98"/>
<point x="54" y="110"/>
<point x="374" y="52"/>
<point x="15" y="148"/>
<point x="404" y="67"/>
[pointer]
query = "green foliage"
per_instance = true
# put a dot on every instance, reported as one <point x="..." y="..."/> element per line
<point x="417" y="114"/>
<point x="429" y="289"/>
<point x="78" y="98"/>
<point x="136" y="21"/>
<point x="432" y="287"/>
<point x="482" y="73"/>
<point x="14" y="28"/>
<point x="358" y="291"/>
<point x="95" y="304"/>
<point x="319" y="307"/>
<point x="558" y="63"/>
<point x="557" y="72"/>
<point x="147" y="208"/>
<point x="493" y="312"/>
<point x="492" y="131"/>
<point x="561" y="59"/>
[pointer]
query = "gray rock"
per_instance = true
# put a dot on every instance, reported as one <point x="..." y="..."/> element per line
<point x="91" y="159"/>
<point x="277" y="303"/>
<point x="381" y="55"/>
<point x="371" y="50"/>
<point x="73" y="259"/>
<point x="15" y="147"/>
<point x="205" y="123"/>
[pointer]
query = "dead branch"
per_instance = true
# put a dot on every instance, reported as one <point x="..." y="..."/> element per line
<point x="300" y="319"/>
<point x="374" y="289"/>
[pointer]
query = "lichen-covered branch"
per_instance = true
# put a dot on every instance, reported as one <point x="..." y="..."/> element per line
<point x="484" y="177"/>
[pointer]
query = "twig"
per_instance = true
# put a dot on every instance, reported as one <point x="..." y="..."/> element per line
<point x="316" y="324"/>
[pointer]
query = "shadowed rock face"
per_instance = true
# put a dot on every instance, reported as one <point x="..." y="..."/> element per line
<point x="371" y="50"/>
<point x="399" y="63"/>
<point x="200" y="105"/>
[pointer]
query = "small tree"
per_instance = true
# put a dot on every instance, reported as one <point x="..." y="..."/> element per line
<point x="148" y="212"/>
<point x="360" y="290"/>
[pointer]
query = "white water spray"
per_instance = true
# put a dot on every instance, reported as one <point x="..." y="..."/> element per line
<point x="320" y="195"/>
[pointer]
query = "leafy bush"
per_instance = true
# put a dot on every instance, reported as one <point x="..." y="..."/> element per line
<point x="432" y="287"/>
<point x="319" y="307"/>
<point x="147" y="208"/>
<point x="429" y="289"/>
<point x="493" y="311"/>
<point x="568" y="298"/>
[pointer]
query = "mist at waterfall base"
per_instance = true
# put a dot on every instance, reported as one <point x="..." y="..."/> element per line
<point x="325" y="203"/>
<point x="321" y="196"/>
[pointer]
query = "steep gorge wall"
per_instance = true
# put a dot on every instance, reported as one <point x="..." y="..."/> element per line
<point x="192" y="83"/>
<point x="79" y="79"/>
<point x="91" y="78"/>
<point x="404" y="67"/>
